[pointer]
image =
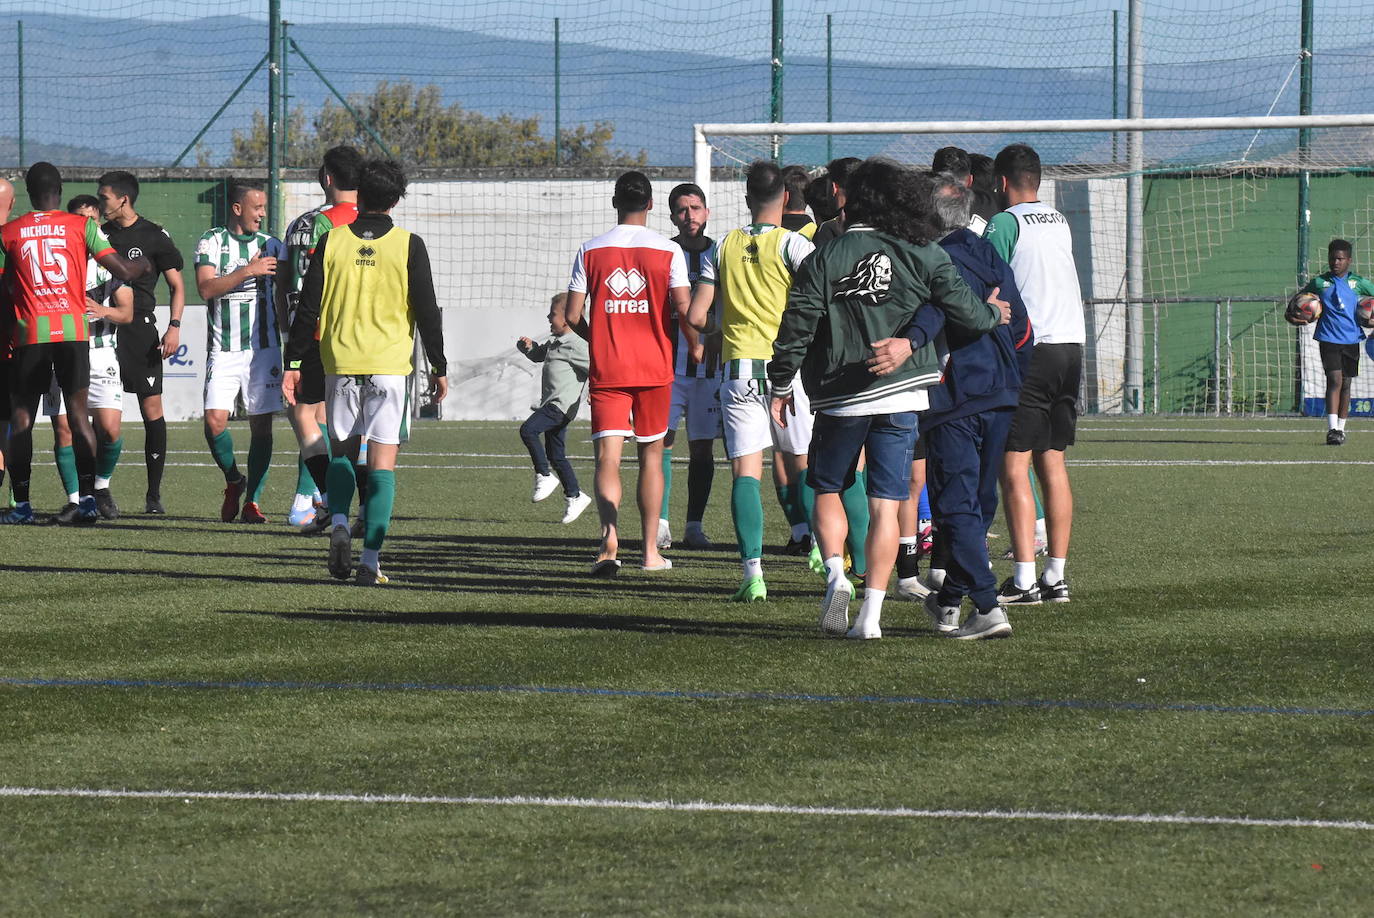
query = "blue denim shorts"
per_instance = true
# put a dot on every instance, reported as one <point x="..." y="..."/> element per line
<point x="888" y="440"/>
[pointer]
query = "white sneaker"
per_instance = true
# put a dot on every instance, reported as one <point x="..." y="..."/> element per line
<point x="912" y="588"/>
<point x="665" y="535"/>
<point x="834" y="617"/>
<point x="544" y="485"/>
<point x="576" y="505"/>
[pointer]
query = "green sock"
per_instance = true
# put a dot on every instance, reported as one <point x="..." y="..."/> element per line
<point x="381" y="495"/>
<point x="1035" y="493"/>
<point x="667" y="482"/>
<point x="789" y="498"/>
<point x="342" y="484"/>
<point x="222" y="450"/>
<point x="107" y="457"/>
<point x="259" y="464"/>
<point x="66" y="468"/>
<point x="305" y="485"/>
<point x="746" y="507"/>
<point x="855" y="500"/>
<point x="808" y="499"/>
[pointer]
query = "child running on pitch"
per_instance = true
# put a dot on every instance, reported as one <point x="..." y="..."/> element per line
<point x="566" y="365"/>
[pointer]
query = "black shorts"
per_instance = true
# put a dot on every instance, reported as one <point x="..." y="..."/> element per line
<point x="33" y="367"/>
<point x="1344" y="358"/>
<point x="1048" y="411"/>
<point x="310" y="391"/>
<point x="138" y="347"/>
<point x="919" y="451"/>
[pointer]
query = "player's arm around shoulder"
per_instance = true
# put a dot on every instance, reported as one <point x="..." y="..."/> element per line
<point x="807" y="302"/>
<point x="949" y="292"/>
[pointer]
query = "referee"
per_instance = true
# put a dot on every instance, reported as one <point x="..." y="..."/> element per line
<point x="138" y="347"/>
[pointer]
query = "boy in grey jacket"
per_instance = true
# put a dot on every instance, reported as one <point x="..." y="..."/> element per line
<point x="863" y="287"/>
<point x="566" y="362"/>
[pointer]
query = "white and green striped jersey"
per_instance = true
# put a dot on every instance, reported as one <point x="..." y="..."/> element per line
<point x="244" y="318"/>
<point x="100" y="286"/>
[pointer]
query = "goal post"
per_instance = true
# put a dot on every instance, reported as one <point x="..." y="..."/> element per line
<point x="1213" y="220"/>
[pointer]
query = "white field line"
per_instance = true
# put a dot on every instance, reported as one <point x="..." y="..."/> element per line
<point x="1073" y="463"/>
<point x="699" y="806"/>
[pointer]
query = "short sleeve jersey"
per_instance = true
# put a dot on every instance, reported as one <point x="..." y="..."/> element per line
<point x="1339" y="296"/>
<point x="244" y="318"/>
<point x="145" y="238"/>
<point x="1034" y="239"/>
<point x="100" y="286"/>
<point x="46" y="253"/>
<point x="304" y="233"/>
<point x="753" y="270"/>
<point x="683" y="364"/>
<point x="626" y="274"/>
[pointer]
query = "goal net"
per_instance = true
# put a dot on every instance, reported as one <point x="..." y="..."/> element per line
<point x="1188" y="318"/>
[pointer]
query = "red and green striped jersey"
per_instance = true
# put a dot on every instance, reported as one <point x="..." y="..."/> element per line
<point x="46" y="253"/>
<point x="245" y="318"/>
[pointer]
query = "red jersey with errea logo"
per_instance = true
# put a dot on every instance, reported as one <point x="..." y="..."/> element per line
<point x="626" y="274"/>
<point x="45" y="258"/>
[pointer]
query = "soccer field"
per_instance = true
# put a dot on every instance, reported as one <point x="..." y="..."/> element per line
<point x="198" y="720"/>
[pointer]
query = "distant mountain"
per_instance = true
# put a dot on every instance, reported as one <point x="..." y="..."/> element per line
<point x="64" y="154"/>
<point x="142" y="90"/>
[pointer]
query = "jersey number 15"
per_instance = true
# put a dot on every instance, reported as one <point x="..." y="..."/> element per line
<point x="47" y="260"/>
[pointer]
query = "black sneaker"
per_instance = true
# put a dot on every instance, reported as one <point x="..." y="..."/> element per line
<point x="1335" y="437"/>
<point x="105" y="504"/>
<point x="1010" y="595"/>
<point x="1058" y="592"/>
<point x="153" y="505"/>
<point x="69" y="515"/>
<point x="797" y="547"/>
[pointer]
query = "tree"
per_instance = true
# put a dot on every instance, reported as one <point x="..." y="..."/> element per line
<point x="421" y="130"/>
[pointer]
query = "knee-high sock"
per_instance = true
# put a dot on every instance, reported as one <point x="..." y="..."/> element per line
<point x="155" y="453"/>
<point x="789" y="498"/>
<point x="259" y="464"/>
<point x="1035" y="492"/>
<point x="699" y="478"/>
<point x="66" y="469"/>
<point x="807" y="495"/>
<point x="381" y="495"/>
<point x="318" y="466"/>
<point x="341" y="485"/>
<point x="855" y="500"/>
<point x="668" y="482"/>
<point x="746" y="506"/>
<point x="305" y="482"/>
<point x="222" y="451"/>
<point x="362" y="476"/>
<point x="107" y="457"/>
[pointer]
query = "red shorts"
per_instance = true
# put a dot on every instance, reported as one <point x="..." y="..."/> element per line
<point x="640" y="412"/>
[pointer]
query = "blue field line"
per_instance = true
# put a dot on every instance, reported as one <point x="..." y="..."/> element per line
<point x="687" y="695"/>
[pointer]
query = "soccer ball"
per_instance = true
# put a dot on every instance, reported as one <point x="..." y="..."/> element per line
<point x="1303" y="308"/>
<point x="1364" y="312"/>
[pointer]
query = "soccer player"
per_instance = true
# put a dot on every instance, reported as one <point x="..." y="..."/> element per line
<point x="566" y="364"/>
<point x="751" y="274"/>
<point x="863" y="289"/>
<point x="965" y="427"/>
<point x="982" y="182"/>
<point x="6" y="205"/>
<point x="110" y="304"/>
<point x="139" y="349"/>
<point x="338" y="178"/>
<point x="367" y="288"/>
<point x="794" y="215"/>
<point x="1035" y="240"/>
<point x="627" y="285"/>
<point x="696" y="386"/>
<point x="236" y="265"/>
<point x="45" y="315"/>
<point x="1338" y="335"/>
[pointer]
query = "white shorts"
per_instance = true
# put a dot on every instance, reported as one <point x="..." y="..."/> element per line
<point x="749" y="427"/>
<point x="373" y="407"/>
<point x="699" y="399"/>
<point x="256" y="373"/>
<point x="106" y="391"/>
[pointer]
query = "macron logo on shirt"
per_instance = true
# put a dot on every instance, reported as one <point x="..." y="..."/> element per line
<point x="625" y="286"/>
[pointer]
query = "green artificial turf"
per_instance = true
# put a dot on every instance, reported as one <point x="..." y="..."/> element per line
<point x="1214" y="662"/>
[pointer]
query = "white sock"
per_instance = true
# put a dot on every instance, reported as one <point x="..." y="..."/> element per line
<point x="101" y="483"/>
<point x="1040" y="528"/>
<point x="753" y="567"/>
<point x="1054" y="570"/>
<point x="74" y="498"/>
<point x="1025" y="575"/>
<point x="936" y="578"/>
<point x="300" y="502"/>
<point x="800" y="529"/>
<point x="371" y="557"/>
<point x="1340" y="423"/>
<point x="338" y="519"/>
<point x="834" y="567"/>
<point x="1332" y="421"/>
<point x="908" y="540"/>
<point x="871" y="611"/>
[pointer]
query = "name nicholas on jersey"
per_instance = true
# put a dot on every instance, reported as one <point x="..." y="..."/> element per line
<point x="42" y="229"/>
